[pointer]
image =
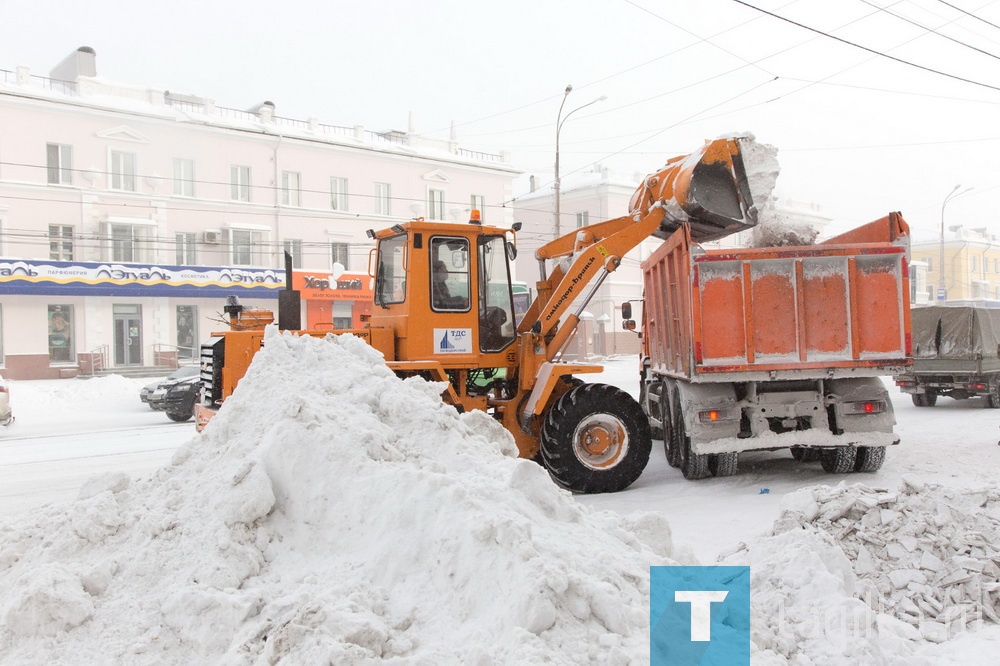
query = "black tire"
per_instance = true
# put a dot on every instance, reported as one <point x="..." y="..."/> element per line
<point x="839" y="460"/>
<point x="595" y="439"/>
<point x="693" y="466"/>
<point x="673" y="439"/>
<point x="805" y="455"/>
<point x="723" y="464"/>
<point x="870" y="458"/>
<point x="993" y="399"/>
<point x="179" y="417"/>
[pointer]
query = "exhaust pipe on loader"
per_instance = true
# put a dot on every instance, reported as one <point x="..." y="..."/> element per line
<point x="707" y="190"/>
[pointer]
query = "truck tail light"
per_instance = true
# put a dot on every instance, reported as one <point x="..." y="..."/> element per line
<point x="716" y="415"/>
<point x="865" y="407"/>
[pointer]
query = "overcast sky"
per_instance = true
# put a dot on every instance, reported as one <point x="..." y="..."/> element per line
<point x="858" y="133"/>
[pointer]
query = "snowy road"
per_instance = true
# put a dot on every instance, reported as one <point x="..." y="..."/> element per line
<point x="68" y="430"/>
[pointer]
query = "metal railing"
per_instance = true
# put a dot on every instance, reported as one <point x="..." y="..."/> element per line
<point x="98" y="360"/>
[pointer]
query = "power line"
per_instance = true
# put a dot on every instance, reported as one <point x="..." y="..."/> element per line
<point x="927" y="29"/>
<point x="969" y="14"/>
<point x="865" y="48"/>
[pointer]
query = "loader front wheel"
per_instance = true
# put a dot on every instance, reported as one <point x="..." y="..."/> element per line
<point x="595" y="439"/>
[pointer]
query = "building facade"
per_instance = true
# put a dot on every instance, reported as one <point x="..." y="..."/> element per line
<point x="963" y="266"/>
<point x="129" y="214"/>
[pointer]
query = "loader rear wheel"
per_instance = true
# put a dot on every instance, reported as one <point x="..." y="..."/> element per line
<point x="595" y="439"/>
<point x="839" y="460"/>
<point x="870" y="458"/>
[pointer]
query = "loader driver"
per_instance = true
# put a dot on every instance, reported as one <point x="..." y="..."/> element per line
<point x="441" y="298"/>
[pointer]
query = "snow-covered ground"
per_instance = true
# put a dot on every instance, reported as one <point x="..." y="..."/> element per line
<point x="404" y="533"/>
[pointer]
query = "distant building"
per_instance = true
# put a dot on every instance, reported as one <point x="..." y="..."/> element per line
<point x="128" y="214"/>
<point x="970" y="268"/>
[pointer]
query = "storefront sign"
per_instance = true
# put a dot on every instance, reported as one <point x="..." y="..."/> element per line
<point x="346" y="287"/>
<point x="118" y="279"/>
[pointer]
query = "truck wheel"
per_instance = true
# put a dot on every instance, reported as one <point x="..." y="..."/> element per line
<point x="927" y="399"/>
<point x="723" y="464"/>
<point x="806" y="455"/>
<point x="693" y="466"/>
<point x="595" y="439"/>
<point x="671" y="442"/>
<point x="993" y="399"/>
<point x="870" y="458"/>
<point x="179" y="417"/>
<point x="839" y="460"/>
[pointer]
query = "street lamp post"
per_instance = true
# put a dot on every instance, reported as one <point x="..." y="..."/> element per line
<point x="559" y="123"/>
<point x="951" y="195"/>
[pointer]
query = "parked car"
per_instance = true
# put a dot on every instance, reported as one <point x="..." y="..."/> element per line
<point x="156" y="401"/>
<point x="6" y="414"/>
<point x="179" y="398"/>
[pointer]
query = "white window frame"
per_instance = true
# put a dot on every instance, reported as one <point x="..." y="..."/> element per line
<point x="294" y="247"/>
<point x="383" y="199"/>
<point x="185" y="248"/>
<point x="291" y="188"/>
<point x="123" y="171"/>
<point x="338" y="193"/>
<point x="183" y="177"/>
<point x="248" y="246"/>
<point x="128" y="242"/>
<point x="435" y="204"/>
<point x="239" y="180"/>
<point x="340" y="253"/>
<point x="59" y="164"/>
<point x="582" y="219"/>
<point x="61" y="246"/>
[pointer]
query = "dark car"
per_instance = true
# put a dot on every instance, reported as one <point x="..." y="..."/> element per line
<point x="179" y="399"/>
<point x="154" y="398"/>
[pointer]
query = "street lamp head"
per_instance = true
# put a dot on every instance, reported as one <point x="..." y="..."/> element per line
<point x="569" y="89"/>
<point x="601" y="98"/>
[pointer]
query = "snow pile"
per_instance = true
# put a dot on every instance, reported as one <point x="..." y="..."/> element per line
<point x="864" y="575"/>
<point x="330" y="513"/>
<point x="774" y="229"/>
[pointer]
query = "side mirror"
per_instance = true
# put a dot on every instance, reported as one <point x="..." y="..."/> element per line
<point x="628" y="325"/>
<point x="511" y="251"/>
<point x="627" y="311"/>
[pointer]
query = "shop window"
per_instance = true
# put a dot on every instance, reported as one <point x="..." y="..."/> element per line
<point x="187" y="331"/>
<point x="61" y="348"/>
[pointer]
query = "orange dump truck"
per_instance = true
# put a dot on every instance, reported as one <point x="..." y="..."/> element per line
<point x="773" y="348"/>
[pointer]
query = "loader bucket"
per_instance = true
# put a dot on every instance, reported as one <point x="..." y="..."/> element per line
<point x="707" y="190"/>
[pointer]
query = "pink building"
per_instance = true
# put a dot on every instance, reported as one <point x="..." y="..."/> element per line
<point x="128" y="214"/>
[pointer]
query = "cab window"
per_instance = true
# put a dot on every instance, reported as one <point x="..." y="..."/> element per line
<point x="449" y="274"/>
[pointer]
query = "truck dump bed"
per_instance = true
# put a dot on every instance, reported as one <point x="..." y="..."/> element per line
<point x="835" y="309"/>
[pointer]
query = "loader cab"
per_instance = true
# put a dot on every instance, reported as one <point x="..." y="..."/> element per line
<point x="445" y="289"/>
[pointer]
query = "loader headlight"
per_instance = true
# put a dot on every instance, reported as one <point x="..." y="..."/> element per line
<point x="716" y="415"/>
<point x="864" y="407"/>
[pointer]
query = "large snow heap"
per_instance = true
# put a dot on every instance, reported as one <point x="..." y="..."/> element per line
<point x="330" y="513"/>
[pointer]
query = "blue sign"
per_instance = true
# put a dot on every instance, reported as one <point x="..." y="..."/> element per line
<point x="699" y="615"/>
<point x="942" y="294"/>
